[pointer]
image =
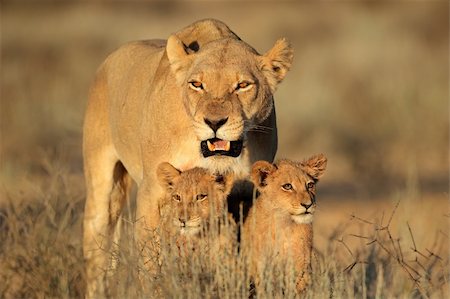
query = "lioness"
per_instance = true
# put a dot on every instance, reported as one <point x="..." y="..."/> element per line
<point x="202" y="98"/>
<point x="278" y="230"/>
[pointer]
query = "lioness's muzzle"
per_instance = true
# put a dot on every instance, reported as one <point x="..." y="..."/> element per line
<point x="219" y="147"/>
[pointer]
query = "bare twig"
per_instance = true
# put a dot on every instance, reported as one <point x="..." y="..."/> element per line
<point x="397" y="257"/>
<point x="418" y="252"/>
<point x="390" y="218"/>
<point x="345" y="245"/>
<point x="427" y="275"/>
<point x="384" y="248"/>
<point x="414" y="242"/>
<point x="433" y="254"/>
<point x="400" y="250"/>
<point x="406" y="266"/>
<point x="412" y="237"/>
<point x="355" y="262"/>
<point x="361" y="237"/>
<point x="350" y="267"/>
<point x="371" y="242"/>
<point x="353" y="216"/>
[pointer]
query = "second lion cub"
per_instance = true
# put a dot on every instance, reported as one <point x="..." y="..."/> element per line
<point x="278" y="230"/>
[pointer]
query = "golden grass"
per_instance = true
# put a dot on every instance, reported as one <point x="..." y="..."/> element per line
<point x="364" y="250"/>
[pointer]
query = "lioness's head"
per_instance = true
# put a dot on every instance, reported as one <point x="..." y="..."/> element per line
<point x="227" y="89"/>
<point x="193" y="195"/>
<point x="290" y="186"/>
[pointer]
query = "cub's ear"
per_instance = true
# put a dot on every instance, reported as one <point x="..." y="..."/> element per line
<point x="277" y="62"/>
<point x="225" y="181"/>
<point x="260" y="171"/>
<point x="315" y="166"/>
<point x="179" y="59"/>
<point x="166" y="173"/>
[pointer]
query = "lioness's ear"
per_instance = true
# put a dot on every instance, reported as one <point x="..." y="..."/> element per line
<point x="166" y="173"/>
<point x="226" y="181"/>
<point x="179" y="59"/>
<point x="260" y="171"/>
<point x="277" y="62"/>
<point x="315" y="166"/>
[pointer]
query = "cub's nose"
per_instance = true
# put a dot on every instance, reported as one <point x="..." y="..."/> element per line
<point x="215" y="124"/>
<point x="306" y="205"/>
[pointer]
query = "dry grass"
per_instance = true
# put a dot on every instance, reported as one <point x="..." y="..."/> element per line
<point x="40" y="229"/>
<point x="369" y="87"/>
<point x="381" y="256"/>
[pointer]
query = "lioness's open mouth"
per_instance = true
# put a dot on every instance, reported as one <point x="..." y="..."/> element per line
<point x="216" y="146"/>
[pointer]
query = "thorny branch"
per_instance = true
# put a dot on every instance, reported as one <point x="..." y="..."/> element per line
<point x="415" y="269"/>
<point x="353" y="216"/>
<point x="355" y="262"/>
<point x="414" y="242"/>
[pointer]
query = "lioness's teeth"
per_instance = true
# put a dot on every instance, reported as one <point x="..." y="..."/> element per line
<point x="211" y="146"/>
<point x="227" y="146"/>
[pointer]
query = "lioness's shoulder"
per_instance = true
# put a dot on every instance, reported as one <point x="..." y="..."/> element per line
<point x="143" y="52"/>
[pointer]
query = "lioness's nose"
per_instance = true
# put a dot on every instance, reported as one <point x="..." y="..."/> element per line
<point x="215" y="124"/>
<point x="306" y="205"/>
<point x="182" y="221"/>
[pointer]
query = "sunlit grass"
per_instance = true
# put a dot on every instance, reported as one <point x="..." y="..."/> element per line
<point x="41" y="254"/>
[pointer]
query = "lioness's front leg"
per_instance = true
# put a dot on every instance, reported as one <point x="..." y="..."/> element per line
<point x="96" y="232"/>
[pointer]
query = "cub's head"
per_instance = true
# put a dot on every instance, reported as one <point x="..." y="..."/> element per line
<point x="227" y="89"/>
<point x="193" y="196"/>
<point x="290" y="186"/>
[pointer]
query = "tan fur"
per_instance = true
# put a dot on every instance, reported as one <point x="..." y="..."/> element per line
<point x="277" y="232"/>
<point x="191" y="198"/>
<point x="142" y="111"/>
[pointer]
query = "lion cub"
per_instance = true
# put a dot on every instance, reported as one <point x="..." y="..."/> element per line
<point x="192" y="200"/>
<point x="278" y="230"/>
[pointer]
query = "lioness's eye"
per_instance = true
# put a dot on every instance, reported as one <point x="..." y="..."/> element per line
<point x="287" y="186"/>
<point x="310" y="185"/>
<point x="196" y="85"/>
<point x="201" y="197"/>
<point x="242" y="85"/>
<point x="176" y="197"/>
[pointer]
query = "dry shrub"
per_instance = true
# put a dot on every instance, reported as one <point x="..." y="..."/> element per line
<point x="393" y="265"/>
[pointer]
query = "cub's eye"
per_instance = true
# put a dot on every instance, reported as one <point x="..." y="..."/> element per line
<point x="176" y="197"/>
<point x="310" y="185"/>
<point x="196" y="85"/>
<point x="201" y="197"/>
<point x="242" y="85"/>
<point x="287" y="187"/>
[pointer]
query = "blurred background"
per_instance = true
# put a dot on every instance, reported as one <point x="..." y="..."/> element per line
<point x="369" y="88"/>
